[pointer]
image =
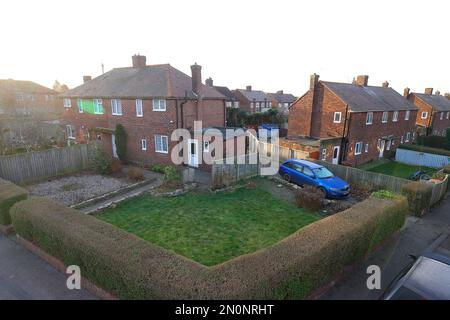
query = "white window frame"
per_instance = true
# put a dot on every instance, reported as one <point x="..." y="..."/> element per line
<point x="157" y="105"/>
<point x="116" y="107"/>
<point x="67" y="103"/>
<point x="339" y="114"/>
<point x="408" y="137"/>
<point x="161" y="138"/>
<point x="139" y="108"/>
<point x="401" y="140"/>
<point x="70" y="129"/>
<point x="442" y="116"/>
<point x="424" y="115"/>
<point x="369" y="116"/>
<point x="206" y="146"/>
<point x="407" y="114"/>
<point x="358" y="144"/>
<point x="366" y="148"/>
<point x="97" y="103"/>
<point x="395" y="116"/>
<point x="385" y="117"/>
<point x="80" y="105"/>
<point x="144" y="144"/>
<point x="324" y="154"/>
<point x="448" y="114"/>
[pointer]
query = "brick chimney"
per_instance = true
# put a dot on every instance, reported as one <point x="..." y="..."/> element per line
<point x="209" y="82"/>
<point x="385" y="84"/>
<point x="86" y="79"/>
<point x="280" y="91"/>
<point x="406" y="92"/>
<point x="248" y="88"/>
<point x="428" y="90"/>
<point x="362" y="80"/>
<point x="139" y="61"/>
<point x="313" y="80"/>
<point x="196" y="71"/>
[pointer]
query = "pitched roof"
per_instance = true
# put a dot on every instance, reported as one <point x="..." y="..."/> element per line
<point x="226" y="92"/>
<point x="251" y="95"/>
<point x="369" y="98"/>
<point x="283" y="97"/>
<point x="23" y="86"/>
<point x="151" y="81"/>
<point x="438" y="102"/>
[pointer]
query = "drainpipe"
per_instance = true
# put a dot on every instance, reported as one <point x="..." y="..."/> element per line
<point x="181" y="109"/>
<point x="344" y="133"/>
<point x="430" y="123"/>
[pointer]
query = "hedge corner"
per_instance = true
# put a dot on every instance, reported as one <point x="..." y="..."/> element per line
<point x="9" y="195"/>
<point x="419" y="197"/>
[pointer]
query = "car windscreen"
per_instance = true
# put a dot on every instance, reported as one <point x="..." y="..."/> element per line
<point x="323" y="173"/>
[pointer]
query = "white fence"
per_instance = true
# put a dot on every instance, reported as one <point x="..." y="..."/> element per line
<point x="418" y="158"/>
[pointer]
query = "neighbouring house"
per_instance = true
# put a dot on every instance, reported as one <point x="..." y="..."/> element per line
<point x="253" y="100"/>
<point x="231" y="100"/>
<point x="150" y="101"/>
<point x="282" y="101"/>
<point x="433" y="117"/>
<point x="28" y="113"/>
<point x="350" y="123"/>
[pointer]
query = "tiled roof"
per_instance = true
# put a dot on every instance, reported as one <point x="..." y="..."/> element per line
<point x="253" y="95"/>
<point x="438" y="102"/>
<point x="151" y="81"/>
<point x="283" y="97"/>
<point x="226" y="92"/>
<point x="23" y="86"/>
<point x="369" y="98"/>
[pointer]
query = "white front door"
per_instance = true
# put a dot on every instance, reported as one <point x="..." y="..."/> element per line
<point x="381" y="147"/>
<point x="193" y="152"/>
<point x="335" y="159"/>
<point x="114" y="148"/>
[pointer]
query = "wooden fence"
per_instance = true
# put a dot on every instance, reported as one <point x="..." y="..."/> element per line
<point x="36" y="166"/>
<point x="228" y="171"/>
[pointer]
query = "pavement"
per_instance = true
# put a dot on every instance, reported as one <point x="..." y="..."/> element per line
<point x="25" y="276"/>
<point x="393" y="256"/>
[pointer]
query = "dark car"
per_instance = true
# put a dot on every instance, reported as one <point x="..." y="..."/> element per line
<point x="302" y="172"/>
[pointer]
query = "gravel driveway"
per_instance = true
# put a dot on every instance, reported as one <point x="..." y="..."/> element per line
<point x="77" y="188"/>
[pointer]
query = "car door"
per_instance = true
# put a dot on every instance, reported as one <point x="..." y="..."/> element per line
<point x="289" y="168"/>
<point x="308" y="176"/>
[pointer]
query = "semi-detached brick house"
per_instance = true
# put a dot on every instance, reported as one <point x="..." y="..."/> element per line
<point x="150" y="101"/>
<point x="252" y="101"/>
<point x="433" y="117"/>
<point x="350" y="123"/>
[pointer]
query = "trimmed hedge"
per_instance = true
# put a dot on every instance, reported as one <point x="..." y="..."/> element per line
<point x="415" y="147"/>
<point x="419" y="197"/>
<point x="132" y="268"/>
<point x="9" y="194"/>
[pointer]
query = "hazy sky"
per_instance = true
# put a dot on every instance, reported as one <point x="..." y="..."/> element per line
<point x="270" y="45"/>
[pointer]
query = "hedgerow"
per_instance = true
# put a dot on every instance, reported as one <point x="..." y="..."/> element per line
<point x="9" y="194"/>
<point x="132" y="268"/>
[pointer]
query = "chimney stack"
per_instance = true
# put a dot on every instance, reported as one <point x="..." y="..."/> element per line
<point x="209" y="82"/>
<point x="280" y="91"/>
<point x="385" y="84"/>
<point x="313" y="80"/>
<point x="428" y="90"/>
<point x="139" y="61"/>
<point x="86" y="79"/>
<point x="406" y="92"/>
<point x="362" y="80"/>
<point x="196" y="71"/>
<point x="438" y="93"/>
<point x="248" y="88"/>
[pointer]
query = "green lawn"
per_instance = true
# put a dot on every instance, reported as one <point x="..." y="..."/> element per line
<point x="400" y="170"/>
<point x="210" y="228"/>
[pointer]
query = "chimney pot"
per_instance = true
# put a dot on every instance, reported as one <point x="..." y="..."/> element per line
<point x="139" y="61"/>
<point x="362" y="80"/>
<point x="428" y="90"/>
<point x="406" y="92"/>
<point x="385" y="84"/>
<point x="209" y="82"/>
<point x="196" y="71"/>
<point x="313" y="80"/>
<point x="248" y="88"/>
<point x="86" y="79"/>
<point x="280" y="91"/>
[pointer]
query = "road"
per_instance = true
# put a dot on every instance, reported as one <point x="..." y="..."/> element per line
<point x="24" y="275"/>
<point x="414" y="238"/>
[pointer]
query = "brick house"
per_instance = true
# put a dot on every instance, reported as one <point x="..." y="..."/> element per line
<point x="433" y="117"/>
<point x="150" y="101"/>
<point x="351" y="123"/>
<point x="252" y="100"/>
<point x="231" y="100"/>
<point x="282" y="101"/>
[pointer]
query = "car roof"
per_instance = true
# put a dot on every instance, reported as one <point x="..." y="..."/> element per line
<point x="302" y="162"/>
<point x="429" y="278"/>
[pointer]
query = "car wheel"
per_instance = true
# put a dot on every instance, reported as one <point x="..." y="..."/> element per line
<point x="287" y="177"/>
<point x="322" y="189"/>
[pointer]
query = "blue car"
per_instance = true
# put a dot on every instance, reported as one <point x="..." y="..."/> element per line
<point x="304" y="172"/>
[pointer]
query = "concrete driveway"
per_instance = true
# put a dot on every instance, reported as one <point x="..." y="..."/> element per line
<point x="26" y="276"/>
<point x="393" y="256"/>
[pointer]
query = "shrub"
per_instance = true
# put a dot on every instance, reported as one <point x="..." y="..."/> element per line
<point x="116" y="166"/>
<point x="384" y="194"/>
<point x="101" y="162"/>
<point x="136" y="174"/>
<point x="159" y="168"/>
<point x="172" y="178"/>
<point x="438" y="176"/>
<point x="433" y="141"/>
<point x="132" y="268"/>
<point x="121" y="142"/>
<point x="419" y="197"/>
<point x="9" y="195"/>
<point x="447" y="169"/>
<point x="310" y="198"/>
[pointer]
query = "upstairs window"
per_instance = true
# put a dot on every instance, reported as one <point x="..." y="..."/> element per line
<point x="395" y="116"/>
<point x="159" y="105"/>
<point x="67" y="103"/>
<point x="116" y="107"/>
<point x="385" y="117"/>
<point x="424" y="115"/>
<point x="80" y="105"/>
<point x="407" y="115"/>
<point x="98" y="106"/>
<point x="139" y="110"/>
<point x="369" y="118"/>
<point x="337" y="117"/>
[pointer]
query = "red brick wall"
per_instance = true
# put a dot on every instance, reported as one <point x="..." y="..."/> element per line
<point x="423" y="107"/>
<point x="438" y="126"/>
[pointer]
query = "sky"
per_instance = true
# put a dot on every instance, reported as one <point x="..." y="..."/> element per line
<point x="271" y="45"/>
